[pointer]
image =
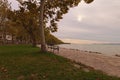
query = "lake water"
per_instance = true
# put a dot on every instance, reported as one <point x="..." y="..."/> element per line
<point x="102" y="48"/>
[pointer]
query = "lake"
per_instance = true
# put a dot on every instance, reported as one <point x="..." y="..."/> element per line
<point x="107" y="49"/>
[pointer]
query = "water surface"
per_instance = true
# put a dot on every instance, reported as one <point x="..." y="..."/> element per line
<point x="107" y="49"/>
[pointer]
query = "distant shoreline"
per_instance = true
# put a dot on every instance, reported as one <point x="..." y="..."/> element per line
<point x="65" y="43"/>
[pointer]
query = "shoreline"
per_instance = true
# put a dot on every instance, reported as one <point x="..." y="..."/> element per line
<point x="99" y="61"/>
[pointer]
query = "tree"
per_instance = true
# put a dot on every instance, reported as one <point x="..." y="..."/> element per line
<point x="15" y="28"/>
<point x="55" y="9"/>
<point x="27" y="18"/>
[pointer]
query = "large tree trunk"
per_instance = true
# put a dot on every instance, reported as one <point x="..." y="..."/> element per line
<point x="42" y="35"/>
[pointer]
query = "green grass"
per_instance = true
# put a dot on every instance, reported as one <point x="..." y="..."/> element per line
<point x="24" y="62"/>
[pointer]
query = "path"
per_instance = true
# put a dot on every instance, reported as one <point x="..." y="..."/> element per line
<point x="107" y="64"/>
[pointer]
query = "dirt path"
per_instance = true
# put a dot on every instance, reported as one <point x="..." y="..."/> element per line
<point x="107" y="64"/>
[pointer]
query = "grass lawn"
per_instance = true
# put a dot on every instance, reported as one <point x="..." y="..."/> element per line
<point x="24" y="62"/>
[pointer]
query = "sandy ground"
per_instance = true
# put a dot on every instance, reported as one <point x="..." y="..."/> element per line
<point x="107" y="64"/>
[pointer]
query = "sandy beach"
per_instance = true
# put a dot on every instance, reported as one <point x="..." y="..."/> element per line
<point x="107" y="64"/>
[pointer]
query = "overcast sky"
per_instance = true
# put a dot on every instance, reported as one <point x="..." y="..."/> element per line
<point x="90" y="23"/>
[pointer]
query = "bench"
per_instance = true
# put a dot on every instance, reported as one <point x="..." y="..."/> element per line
<point x="53" y="47"/>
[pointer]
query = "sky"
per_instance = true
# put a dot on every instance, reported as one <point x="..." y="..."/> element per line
<point x="98" y="22"/>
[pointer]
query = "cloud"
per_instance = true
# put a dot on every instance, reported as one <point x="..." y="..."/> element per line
<point x="101" y="22"/>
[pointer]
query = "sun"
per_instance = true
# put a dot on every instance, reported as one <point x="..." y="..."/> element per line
<point x="80" y="18"/>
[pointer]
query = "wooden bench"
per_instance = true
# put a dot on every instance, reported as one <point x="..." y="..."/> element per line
<point x="53" y="47"/>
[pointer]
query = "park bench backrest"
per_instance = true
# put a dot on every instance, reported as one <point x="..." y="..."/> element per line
<point x="53" y="47"/>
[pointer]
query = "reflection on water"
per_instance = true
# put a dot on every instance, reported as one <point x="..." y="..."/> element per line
<point x="102" y="48"/>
